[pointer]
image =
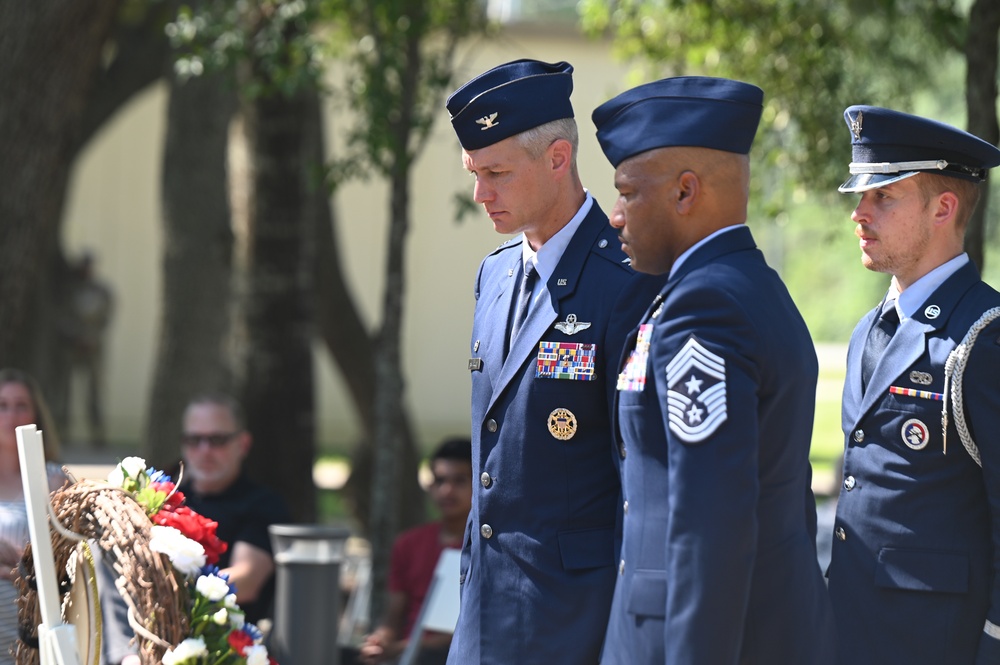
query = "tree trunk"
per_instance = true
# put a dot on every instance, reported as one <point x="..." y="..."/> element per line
<point x="278" y="386"/>
<point x="49" y="52"/>
<point x="981" y="46"/>
<point x="388" y="479"/>
<point x="197" y="259"/>
<point x="339" y="326"/>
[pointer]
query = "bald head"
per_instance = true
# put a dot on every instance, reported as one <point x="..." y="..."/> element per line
<point x="670" y="198"/>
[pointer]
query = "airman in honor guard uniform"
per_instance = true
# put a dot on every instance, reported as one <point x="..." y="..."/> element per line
<point x="715" y="399"/>
<point x="915" y="571"/>
<point x="553" y="307"/>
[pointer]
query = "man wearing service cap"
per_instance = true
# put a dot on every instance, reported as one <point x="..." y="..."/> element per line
<point x="915" y="571"/>
<point x="553" y="306"/>
<point x="715" y="399"/>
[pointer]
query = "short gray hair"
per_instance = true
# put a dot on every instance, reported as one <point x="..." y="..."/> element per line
<point x="537" y="139"/>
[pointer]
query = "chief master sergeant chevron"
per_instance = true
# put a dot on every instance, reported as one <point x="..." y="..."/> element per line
<point x="538" y="560"/>
<point x="915" y="569"/>
<point x="715" y="401"/>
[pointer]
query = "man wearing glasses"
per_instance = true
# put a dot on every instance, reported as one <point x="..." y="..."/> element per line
<point x="215" y="443"/>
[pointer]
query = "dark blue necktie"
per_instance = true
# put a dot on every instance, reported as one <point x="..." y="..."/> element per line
<point x="523" y="302"/>
<point x="878" y="340"/>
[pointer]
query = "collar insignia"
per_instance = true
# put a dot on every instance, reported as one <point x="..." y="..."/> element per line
<point x="487" y="121"/>
<point x="571" y="326"/>
<point x="856" y="126"/>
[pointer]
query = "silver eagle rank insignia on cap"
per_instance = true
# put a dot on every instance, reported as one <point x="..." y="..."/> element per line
<point x="487" y="121"/>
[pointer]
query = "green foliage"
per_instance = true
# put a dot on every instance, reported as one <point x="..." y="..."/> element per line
<point x="400" y="57"/>
<point x="813" y="58"/>
<point x="273" y="38"/>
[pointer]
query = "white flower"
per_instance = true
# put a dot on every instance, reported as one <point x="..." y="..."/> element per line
<point x="255" y="655"/>
<point x="212" y="587"/>
<point x="186" y="555"/>
<point x="221" y="617"/>
<point x="130" y="467"/>
<point x="188" y="650"/>
<point x="237" y="619"/>
<point x="230" y="601"/>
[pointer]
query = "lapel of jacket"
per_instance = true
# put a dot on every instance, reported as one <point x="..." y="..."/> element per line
<point x="731" y="241"/>
<point x="499" y="313"/>
<point x="544" y="312"/>
<point x="910" y="340"/>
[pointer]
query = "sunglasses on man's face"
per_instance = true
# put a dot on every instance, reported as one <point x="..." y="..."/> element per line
<point x="213" y="440"/>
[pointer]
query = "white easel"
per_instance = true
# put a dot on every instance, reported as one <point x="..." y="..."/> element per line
<point x="440" y="609"/>
<point x="56" y="640"/>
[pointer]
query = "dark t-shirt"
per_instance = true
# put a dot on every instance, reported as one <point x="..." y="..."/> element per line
<point x="244" y="511"/>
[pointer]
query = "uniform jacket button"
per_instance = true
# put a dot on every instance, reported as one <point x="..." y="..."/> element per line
<point x="859" y="435"/>
<point x="491" y="425"/>
<point x="625" y="507"/>
<point x="485" y="479"/>
<point x="486" y="530"/>
<point x="849" y="483"/>
<point x="840" y="533"/>
<point x="621" y="567"/>
<point x="621" y="449"/>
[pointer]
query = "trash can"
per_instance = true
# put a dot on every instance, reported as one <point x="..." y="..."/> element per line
<point x="307" y="558"/>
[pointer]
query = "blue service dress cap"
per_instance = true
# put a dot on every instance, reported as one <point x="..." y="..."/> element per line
<point x="510" y="99"/>
<point x="887" y="146"/>
<point x="694" y="111"/>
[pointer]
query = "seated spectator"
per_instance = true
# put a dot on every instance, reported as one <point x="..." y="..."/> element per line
<point x="21" y="403"/>
<point x="215" y="443"/>
<point x="414" y="557"/>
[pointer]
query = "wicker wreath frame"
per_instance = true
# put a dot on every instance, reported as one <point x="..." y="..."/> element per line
<point x="110" y="518"/>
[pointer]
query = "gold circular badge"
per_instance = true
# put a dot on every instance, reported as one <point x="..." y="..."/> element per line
<point x="562" y="424"/>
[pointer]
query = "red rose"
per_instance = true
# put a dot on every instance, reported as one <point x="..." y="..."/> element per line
<point x="196" y="527"/>
<point x="239" y="640"/>
<point x="174" y="500"/>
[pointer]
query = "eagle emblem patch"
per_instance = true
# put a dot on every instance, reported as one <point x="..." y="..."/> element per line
<point x="696" y="392"/>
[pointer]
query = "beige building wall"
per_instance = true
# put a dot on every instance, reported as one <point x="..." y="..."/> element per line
<point x="113" y="210"/>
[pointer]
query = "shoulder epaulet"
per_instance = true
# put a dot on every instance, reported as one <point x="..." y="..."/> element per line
<point x="607" y="246"/>
<point x="510" y="243"/>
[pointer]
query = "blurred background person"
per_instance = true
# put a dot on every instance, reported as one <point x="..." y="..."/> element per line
<point x="414" y="557"/>
<point x="21" y="403"/>
<point x="214" y="444"/>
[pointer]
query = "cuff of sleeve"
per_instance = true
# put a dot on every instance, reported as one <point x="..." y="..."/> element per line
<point x="992" y="630"/>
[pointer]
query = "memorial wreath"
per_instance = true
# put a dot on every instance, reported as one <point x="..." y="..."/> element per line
<point x="182" y="609"/>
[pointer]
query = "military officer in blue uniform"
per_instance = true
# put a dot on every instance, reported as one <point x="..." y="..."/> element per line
<point x="553" y="307"/>
<point x="715" y="399"/>
<point x="915" y="571"/>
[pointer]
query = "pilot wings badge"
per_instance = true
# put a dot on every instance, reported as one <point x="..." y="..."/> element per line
<point x="696" y="392"/>
<point x="571" y="326"/>
<point x="487" y="121"/>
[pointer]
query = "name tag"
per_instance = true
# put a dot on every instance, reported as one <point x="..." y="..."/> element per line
<point x="565" y="360"/>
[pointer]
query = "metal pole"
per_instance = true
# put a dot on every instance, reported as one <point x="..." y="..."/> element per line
<point x="307" y="593"/>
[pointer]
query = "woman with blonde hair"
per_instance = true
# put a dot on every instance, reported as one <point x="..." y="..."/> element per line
<point x="21" y="403"/>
